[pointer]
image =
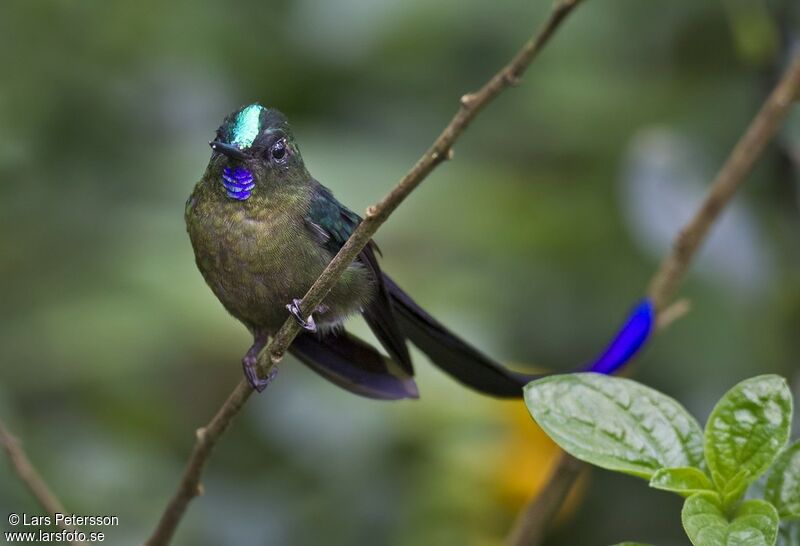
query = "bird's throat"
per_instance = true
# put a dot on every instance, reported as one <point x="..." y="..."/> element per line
<point x="238" y="183"/>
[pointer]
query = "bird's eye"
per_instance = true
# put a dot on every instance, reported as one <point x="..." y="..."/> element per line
<point x="277" y="151"/>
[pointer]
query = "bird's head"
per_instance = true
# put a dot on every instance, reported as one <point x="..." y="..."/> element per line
<point x="254" y="152"/>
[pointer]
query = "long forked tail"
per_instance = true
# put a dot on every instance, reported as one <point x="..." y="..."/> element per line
<point x="452" y="354"/>
<point x="354" y="365"/>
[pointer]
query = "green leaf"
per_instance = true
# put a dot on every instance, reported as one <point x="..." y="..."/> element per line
<point x="756" y="520"/>
<point x="685" y="481"/>
<point x="735" y="488"/>
<point x="615" y="423"/>
<point x="783" y="483"/>
<point x="747" y="429"/>
<point x="754" y="524"/>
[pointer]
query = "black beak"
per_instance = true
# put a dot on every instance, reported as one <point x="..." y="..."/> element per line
<point x="231" y="151"/>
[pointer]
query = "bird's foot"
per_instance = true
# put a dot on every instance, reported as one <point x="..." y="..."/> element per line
<point x="251" y="372"/>
<point x="251" y="368"/>
<point x="294" y="310"/>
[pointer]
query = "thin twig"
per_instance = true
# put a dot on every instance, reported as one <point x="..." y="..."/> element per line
<point x="674" y="311"/>
<point x="29" y="476"/>
<point x="532" y="521"/>
<point x="440" y="150"/>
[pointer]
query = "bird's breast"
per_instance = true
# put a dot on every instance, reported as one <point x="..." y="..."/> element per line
<point x="255" y="260"/>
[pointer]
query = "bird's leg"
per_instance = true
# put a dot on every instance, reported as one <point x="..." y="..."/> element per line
<point x="250" y="364"/>
<point x="294" y="310"/>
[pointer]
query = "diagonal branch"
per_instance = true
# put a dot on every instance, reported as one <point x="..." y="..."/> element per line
<point x="531" y="524"/>
<point x="28" y="474"/>
<point x="440" y="150"/>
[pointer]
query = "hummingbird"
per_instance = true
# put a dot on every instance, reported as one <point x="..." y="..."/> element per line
<point x="263" y="229"/>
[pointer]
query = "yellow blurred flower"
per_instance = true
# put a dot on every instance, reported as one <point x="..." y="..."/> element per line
<point x="526" y="460"/>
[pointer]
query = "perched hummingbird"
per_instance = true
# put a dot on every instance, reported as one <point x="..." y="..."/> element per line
<point x="263" y="229"/>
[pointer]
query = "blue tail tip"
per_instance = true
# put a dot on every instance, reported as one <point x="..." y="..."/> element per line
<point x="630" y="339"/>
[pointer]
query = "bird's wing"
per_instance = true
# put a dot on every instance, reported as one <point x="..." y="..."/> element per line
<point x="331" y="223"/>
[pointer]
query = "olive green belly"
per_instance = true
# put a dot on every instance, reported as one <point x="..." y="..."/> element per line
<point x="256" y="268"/>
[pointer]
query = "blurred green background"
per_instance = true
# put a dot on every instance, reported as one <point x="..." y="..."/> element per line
<point x="533" y="243"/>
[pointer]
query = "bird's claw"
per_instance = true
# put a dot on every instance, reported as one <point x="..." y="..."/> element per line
<point x="294" y="310"/>
<point x="250" y="367"/>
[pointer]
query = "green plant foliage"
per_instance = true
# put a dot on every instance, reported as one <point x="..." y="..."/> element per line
<point x="755" y="523"/>
<point x="746" y="430"/>
<point x="734" y="489"/>
<point x="615" y="423"/>
<point x="621" y="425"/>
<point x="783" y="483"/>
<point x="684" y="481"/>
